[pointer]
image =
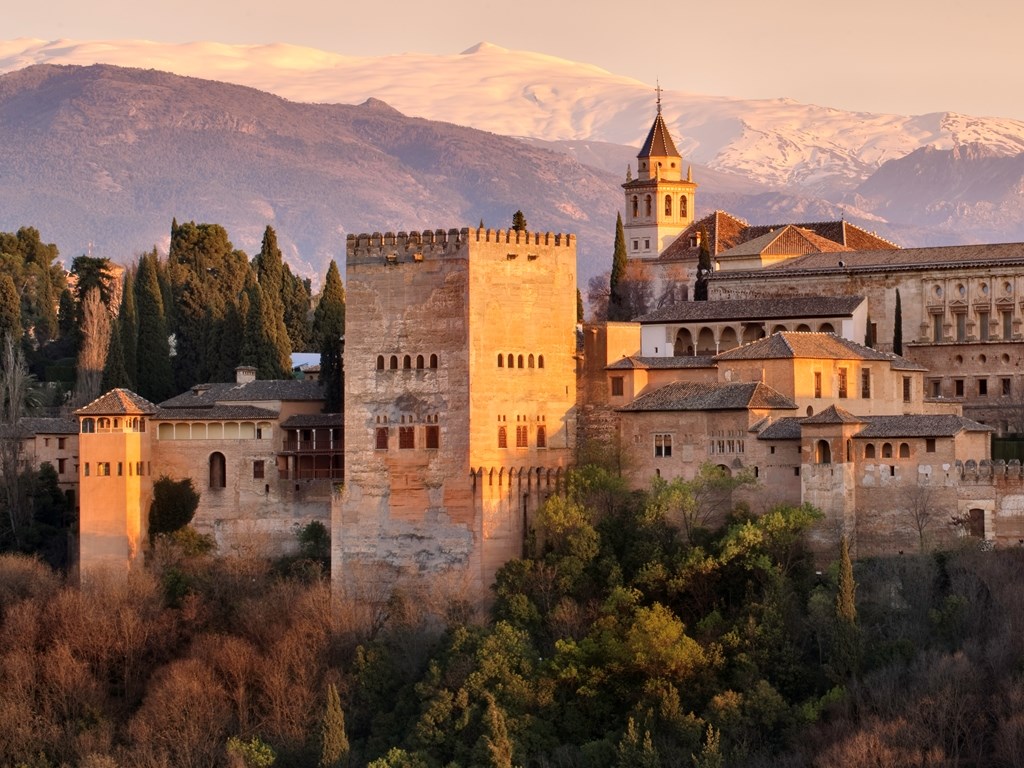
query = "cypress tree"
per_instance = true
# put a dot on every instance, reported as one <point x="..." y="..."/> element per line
<point x="296" y="310"/>
<point x="700" y="288"/>
<point x="10" y="310"/>
<point x="258" y="344"/>
<point x="269" y="267"/>
<point x="66" y="315"/>
<point x="334" y="747"/>
<point x="128" y="322"/>
<point x="114" y="373"/>
<point x="154" y="380"/>
<point x="617" y="309"/>
<point x="846" y="650"/>
<point x="519" y="221"/>
<point x="328" y="329"/>
<point x="579" y="306"/>
<point x="897" y="327"/>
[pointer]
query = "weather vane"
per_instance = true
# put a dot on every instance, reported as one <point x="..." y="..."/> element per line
<point x="657" y="89"/>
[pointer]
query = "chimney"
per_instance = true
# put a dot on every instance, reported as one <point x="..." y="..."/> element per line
<point x="244" y="374"/>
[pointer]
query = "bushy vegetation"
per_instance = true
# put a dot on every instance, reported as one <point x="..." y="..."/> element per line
<point x="623" y="640"/>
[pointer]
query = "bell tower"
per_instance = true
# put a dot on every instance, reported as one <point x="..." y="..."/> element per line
<point x="659" y="201"/>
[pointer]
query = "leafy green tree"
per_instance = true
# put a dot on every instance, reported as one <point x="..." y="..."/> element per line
<point x="93" y="272"/>
<point x="897" y="327"/>
<point x="66" y="315"/>
<point x="636" y="751"/>
<point x="154" y="380"/>
<point x="496" y="740"/>
<point x="519" y="221"/>
<point x="700" y="288"/>
<point x="10" y="309"/>
<point x="334" y="747"/>
<point x="617" y="303"/>
<point x="711" y="751"/>
<point x="579" y="306"/>
<point x="253" y="753"/>
<point x="174" y="505"/>
<point x="329" y="330"/>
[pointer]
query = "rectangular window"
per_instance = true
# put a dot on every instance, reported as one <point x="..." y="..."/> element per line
<point x="103" y="469"/>
<point x="929" y="445"/>
<point x="617" y="388"/>
<point x="60" y="466"/>
<point x="772" y="449"/>
<point x="647" y="244"/>
<point x="983" y="322"/>
<point x="865" y="383"/>
<point x="1005" y="385"/>
<point x="406" y="437"/>
<point x="1007" y="324"/>
<point x="906" y="389"/>
<point x="433" y="437"/>
<point x="636" y="245"/>
<point x="817" y="383"/>
<point x="961" y="326"/>
<point x="936" y="386"/>
<point x="258" y="469"/>
<point x="60" y="442"/>
<point x="522" y="436"/>
<point x="982" y="387"/>
<point x="138" y="468"/>
<point x="937" y="328"/>
<point x="662" y="446"/>
<point x="382" y="439"/>
<point x="85" y="469"/>
<point x="958" y="387"/>
<point x="542" y="437"/>
<point x="796" y="471"/>
<point x="842" y="382"/>
<point x="120" y="469"/>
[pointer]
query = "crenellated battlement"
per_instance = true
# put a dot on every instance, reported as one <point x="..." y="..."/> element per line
<point x="416" y="246"/>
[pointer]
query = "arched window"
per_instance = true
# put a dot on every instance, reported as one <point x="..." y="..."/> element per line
<point x="103" y="424"/>
<point x="636" y="206"/>
<point x="88" y="425"/>
<point x="380" y="362"/>
<point x="542" y="437"/>
<point x="529" y="362"/>
<point x="394" y="362"/>
<point x="647" y="205"/>
<point x="540" y="361"/>
<point x="904" y="451"/>
<point x="887" y="450"/>
<point x="501" y="360"/>
<point x="502" y="437"/>
<point x="511" y="362"/>
<point x="433" y="361"/>
<point x="218" y="470"/>
<point x="520" y="361"/>
<point x="822" y="452"/>
<point x="682" y="205"/>
<point x="419" y="362"/>
<point x="668" y="205"/>
<point x="407" y="362"/>
<point x="869" y="451"/>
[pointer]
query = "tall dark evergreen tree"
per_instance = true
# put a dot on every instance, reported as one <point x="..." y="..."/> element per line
<point x="897" y="327"/>
<point x="128" y="327"/>
<point x="297" y="310"/>
<point x="579" y="306"/>
<point x="258" y="344"/>
<point x="154" y="380"/>
<point x="114" y="373"/>
<point x="328" y="329"/>
<point x="617" y="304"/>
<point x="700" y="287"/>
<point x="519" y="221"/>
<point x="269" y="267"/>
<point x="10" y="310"/>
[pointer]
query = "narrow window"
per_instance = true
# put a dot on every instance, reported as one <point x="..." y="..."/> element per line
<point x="647" y="205"/>
<point x="85" y="469"/>
<point x="865" y="383"/>
<point x="394" y="362"/>
<point x="433" y="361"/>
<point x="420" y="362"/>
<point x="88" y="425"/>
<point x="887" y="450"/>
<point x="529" y="362"/>
<point x="961" y="326"/>
<point x="904" y="451"/>
<point x="636" y="245"/>
<point x="983" y="323"/>
<point x="120" y="469"/>
<point x="542" y="437"/>
<point x="501" y="360"/>
<point x="60" y="443"/>
<point x="381" y="443"/>
<point x="406" y="437"/>
<point x="817" y="383"/>
<point x="937" y="328"/>
<point x="522" y="436"/>
<point x="540" y="361"/>
<point x="433" y="437"/>
<point x="636" y="212"/>
<point x="937" y="388"/>
<point x="668" y="205"/>
<point x="958" y="387"/>
<point x="1007" y="324"/>
<point x="502" y="437"/>
<point x="682" y="206"/>
<point x="258" y="469"/>
<point x="983" y="387"/>
<point x="511" y="362"/>
<point x="906" y="389"/>
<point x="647" y="243"/>
<point x="1005" y="385"/>
<point x="218" y="470"/>
<point x="61" y="466"/>
<point x="823" y="452"/>
<point x="407" y="362"/>
<point x="662" y="446"/>
<point x="519" y="360"/>
<point x="842" y="383"/>
<point x="929" y="445"/>
<point x="617" y="387"/>
<point x="380" y="362"/>
<point x="869" y="451"/>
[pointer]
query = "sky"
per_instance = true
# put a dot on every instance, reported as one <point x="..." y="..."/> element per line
<point x="899" y="56"/>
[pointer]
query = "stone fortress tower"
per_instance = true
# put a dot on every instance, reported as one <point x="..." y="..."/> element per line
<point x="460" y="393"/>
<point x="659" y="202"/>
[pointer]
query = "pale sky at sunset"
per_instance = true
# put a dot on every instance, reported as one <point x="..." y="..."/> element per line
<point x="901" y="56"/>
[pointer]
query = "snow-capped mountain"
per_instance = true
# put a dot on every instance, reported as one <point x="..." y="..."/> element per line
<point x="778" y="142"/>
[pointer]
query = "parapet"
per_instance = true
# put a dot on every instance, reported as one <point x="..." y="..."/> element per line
<point x="395" y="247"/>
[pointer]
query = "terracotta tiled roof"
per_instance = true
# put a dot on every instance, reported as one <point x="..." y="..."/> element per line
<point x="118" y="402"/>
<point x="919" y="425"/>
<point x="313" y="420"/>
<point x="206" y="395"/>
<point x="42" y="425"/>
<point x="775" y="308"/>
<point x="841" y="232"/>
<point x="690" y="396"/>
<point x="833" y="415"/>
<point x="788" y="240"/>
<point x="216" y="412"/>
<point x="796" y="344"/>
<point x="662" y="363"/>
<point x="786" y="428"/>
<point x="659" y="141"/>
<point x="724" y="231"/>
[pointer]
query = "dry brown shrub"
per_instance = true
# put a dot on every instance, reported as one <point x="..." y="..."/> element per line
<point x="25" y="578"/>
<point x="234" y="661"/>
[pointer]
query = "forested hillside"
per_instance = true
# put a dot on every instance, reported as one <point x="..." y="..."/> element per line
<point x="632" y="636"/>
